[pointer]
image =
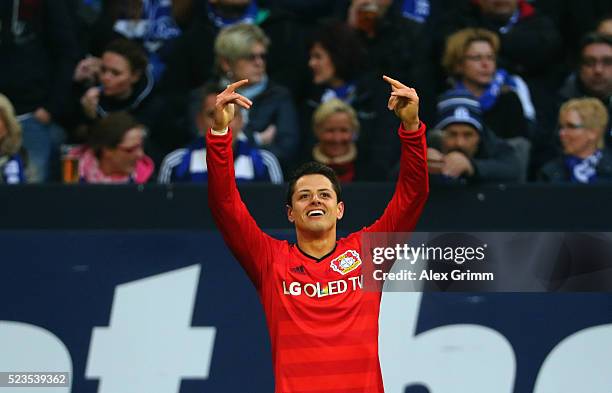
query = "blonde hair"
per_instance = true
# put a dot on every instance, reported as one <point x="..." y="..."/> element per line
<point x="236" y="41"/>
<point x="457" y="45"/>
<point x="11" y="143"/>
<point x="333" y="106"/>
<point x="592" y="112"/>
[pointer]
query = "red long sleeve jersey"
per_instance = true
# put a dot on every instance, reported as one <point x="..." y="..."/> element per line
<point x="323" y="325"/>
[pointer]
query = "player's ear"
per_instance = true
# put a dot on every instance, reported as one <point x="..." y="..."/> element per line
<point x="340" y="208"/>
<point x="290" y="214"/>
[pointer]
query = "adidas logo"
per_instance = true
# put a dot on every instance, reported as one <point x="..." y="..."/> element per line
<point x="298" y="269"/>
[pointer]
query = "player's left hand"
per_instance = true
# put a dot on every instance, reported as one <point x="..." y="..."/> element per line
<point x="404" y="101"/>
<point x="224" y="105"/>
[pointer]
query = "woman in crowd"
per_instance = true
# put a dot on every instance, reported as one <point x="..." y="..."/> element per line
<point x="336" y="59"/>
<point x="470" y="61"/>
<point x="336" y="128"/>
<point x="271" y="123"/>
<point x="12" y="154"/>
<point x="114" y="152"/>
<point x="582" y="122"/>
<point x="126" y="84"/>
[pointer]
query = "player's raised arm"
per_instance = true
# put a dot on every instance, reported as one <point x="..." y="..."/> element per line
<point x="248" y="243"/>
<point x="412" y="189"/>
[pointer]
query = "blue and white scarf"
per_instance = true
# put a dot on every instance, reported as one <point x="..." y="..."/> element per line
<point x="500" y="79"/>
<point x="345" y="93"/>
<point x="583" y="170"/>
<point x="489" y="97"/>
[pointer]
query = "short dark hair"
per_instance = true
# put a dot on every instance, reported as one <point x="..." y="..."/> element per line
<point x="131" y="51"/>
<point x="108" y="132"/>
<point x="344" y="46"/>
<point x="594" y="38"/>
<point x="314" y="168"/>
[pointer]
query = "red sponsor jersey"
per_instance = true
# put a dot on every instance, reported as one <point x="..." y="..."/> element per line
<point x="323" y="325"/>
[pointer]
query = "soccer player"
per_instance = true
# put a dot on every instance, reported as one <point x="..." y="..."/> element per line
<point x="323" y="324"/>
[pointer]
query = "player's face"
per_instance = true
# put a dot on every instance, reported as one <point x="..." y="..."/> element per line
<point x="315" y="207"/>
<point x="479" y="64"/>
<point x="335" y="135"/>
<point x="117" y="76"/>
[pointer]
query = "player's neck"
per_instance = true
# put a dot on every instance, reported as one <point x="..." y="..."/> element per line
<point x="316" y="245"/>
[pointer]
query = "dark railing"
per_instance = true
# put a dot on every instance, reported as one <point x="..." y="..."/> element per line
<point x="499" y="208"/>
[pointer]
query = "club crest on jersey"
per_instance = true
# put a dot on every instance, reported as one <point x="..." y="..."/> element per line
<point x="346" y="262"/>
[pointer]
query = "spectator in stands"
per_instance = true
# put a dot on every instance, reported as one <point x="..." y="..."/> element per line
<point x="582" y="122"/>
<point x="192" y="65"/>
<point x="126" y="81"/>
<point x="188" y="165"/>
<point x="574" y="19"/>
<point x="530" y="42"/>
<point x="12" y="154"/>
<point x="336" y="129"/>
<point x="593" y="78"/>
<point x="470" y="60"/>
<point x="336" y="62"/>
<point x="126" y="84"/>
<point x="271" y="123"/>
<point x="114" y="153"/>
<point x="38" y="49"/>
<point x="464" y="150"/>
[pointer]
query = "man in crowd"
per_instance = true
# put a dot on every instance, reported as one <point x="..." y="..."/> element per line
<point x="463" y="150"/>
<point x="593" y="78"/>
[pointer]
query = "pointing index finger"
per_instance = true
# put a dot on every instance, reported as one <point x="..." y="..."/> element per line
<point x="394" y="83"/>
<point x="236" y="85"/>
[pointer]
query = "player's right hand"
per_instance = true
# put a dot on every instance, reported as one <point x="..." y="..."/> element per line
<point x="224" y="106"/>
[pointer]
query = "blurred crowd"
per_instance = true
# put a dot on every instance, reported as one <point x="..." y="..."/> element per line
<point x="122" y="91"/>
